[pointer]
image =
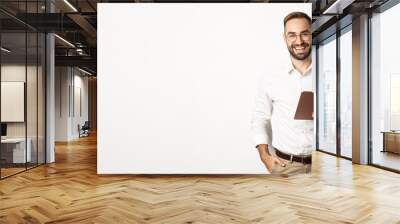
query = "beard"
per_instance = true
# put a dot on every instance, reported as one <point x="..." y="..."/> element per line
<point x="300" y="56"/>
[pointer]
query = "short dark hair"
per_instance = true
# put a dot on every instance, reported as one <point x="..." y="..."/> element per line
<point x="296" y="15"/>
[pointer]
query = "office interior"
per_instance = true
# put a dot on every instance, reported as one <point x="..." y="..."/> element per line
<point x="48" y="81"/>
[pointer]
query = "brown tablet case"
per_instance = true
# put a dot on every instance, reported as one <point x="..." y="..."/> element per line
<point x="305" y="107"/>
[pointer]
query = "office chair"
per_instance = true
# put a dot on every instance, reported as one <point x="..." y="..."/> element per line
<point x="84" y="130"/>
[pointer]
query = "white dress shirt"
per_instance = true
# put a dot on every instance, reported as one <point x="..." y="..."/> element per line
<point x="276" y="102"/>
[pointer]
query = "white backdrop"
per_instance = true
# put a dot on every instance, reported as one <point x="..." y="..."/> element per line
<point x="177" y="84"/>
<point x="12" y="101"/>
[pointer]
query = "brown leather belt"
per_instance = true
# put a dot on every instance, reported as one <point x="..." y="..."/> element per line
<point x="300" y="159"/>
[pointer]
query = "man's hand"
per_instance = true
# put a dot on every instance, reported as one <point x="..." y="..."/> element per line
<point x="269" y="160"/>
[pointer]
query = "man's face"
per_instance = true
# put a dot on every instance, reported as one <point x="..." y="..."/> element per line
<point x="298" y="38"/>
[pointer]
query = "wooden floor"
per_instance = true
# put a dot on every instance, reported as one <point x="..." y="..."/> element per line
<point x="5" y="172"/>
<point x="70" y="191"/>
<point x="387" y="159"/>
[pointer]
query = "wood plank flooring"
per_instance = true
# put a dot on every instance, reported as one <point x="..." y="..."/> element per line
<point x="70" y="191"/>
<point x="387" y="159"/>
<point x="10" y="171"/>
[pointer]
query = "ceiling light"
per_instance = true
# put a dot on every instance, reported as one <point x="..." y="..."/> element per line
<point x="65" y="41"/>
<point x="338" y="6"/>
<point x="5" y="50"/>
<point x="70" y="5"/>
<point x="84" y="71"/>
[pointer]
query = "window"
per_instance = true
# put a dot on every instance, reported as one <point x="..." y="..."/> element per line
<point x="327" y="95"/>
<point x="345" y="42"/>
<point x="385" y="89"/>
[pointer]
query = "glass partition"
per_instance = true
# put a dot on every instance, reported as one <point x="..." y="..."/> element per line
<point x="32" y="95"/>
<point x="22" y="63"/>
<point x="34" y="51"/>
<point x="327" y="95"/>
<point x="14" y="153"/>
<point x="41" y="91"/>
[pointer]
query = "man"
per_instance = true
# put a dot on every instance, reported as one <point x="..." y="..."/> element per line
<point x="277" y="100"/>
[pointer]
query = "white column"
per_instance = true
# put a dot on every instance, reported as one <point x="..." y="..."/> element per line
<point x="50" y="92"/>
<point x="360" y="90"/>
<point x="50" y="100"/>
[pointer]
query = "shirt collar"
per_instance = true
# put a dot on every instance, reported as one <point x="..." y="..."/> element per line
<point x="290" y="68"/>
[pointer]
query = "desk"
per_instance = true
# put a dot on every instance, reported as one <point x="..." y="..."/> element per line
<point x="391" y="141"/>
<point x="13" y="150"/>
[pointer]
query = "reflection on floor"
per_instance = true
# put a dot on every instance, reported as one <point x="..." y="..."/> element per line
<point x="386" y="159"/>
<point x="10" y="169"/>
<point x="347" y="152"/>
<point x="70" y="191"/>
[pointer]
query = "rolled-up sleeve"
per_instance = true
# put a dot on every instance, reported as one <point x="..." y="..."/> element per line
<point x="261" y="115"/>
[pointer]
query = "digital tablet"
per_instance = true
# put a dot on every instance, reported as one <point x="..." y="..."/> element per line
<point x="305" y="107"/>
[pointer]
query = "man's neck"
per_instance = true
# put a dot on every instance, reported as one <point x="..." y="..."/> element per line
<point x="301" y="65"/>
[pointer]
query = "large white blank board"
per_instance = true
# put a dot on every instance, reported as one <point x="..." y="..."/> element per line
<point x="177" y="85"/>
<point x="12" y="101"/>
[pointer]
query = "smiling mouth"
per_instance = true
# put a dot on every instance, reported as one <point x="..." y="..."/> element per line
<point x="299" y="49"/>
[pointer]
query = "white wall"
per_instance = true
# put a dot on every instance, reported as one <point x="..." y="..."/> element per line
<point x="79" y="117"/>
<point x="68" y="82"/>
<point x="61" y="103"/>
<point x="177" y="84"/>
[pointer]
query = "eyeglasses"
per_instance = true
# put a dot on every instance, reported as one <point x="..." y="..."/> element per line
<point x="303" y="36"/>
